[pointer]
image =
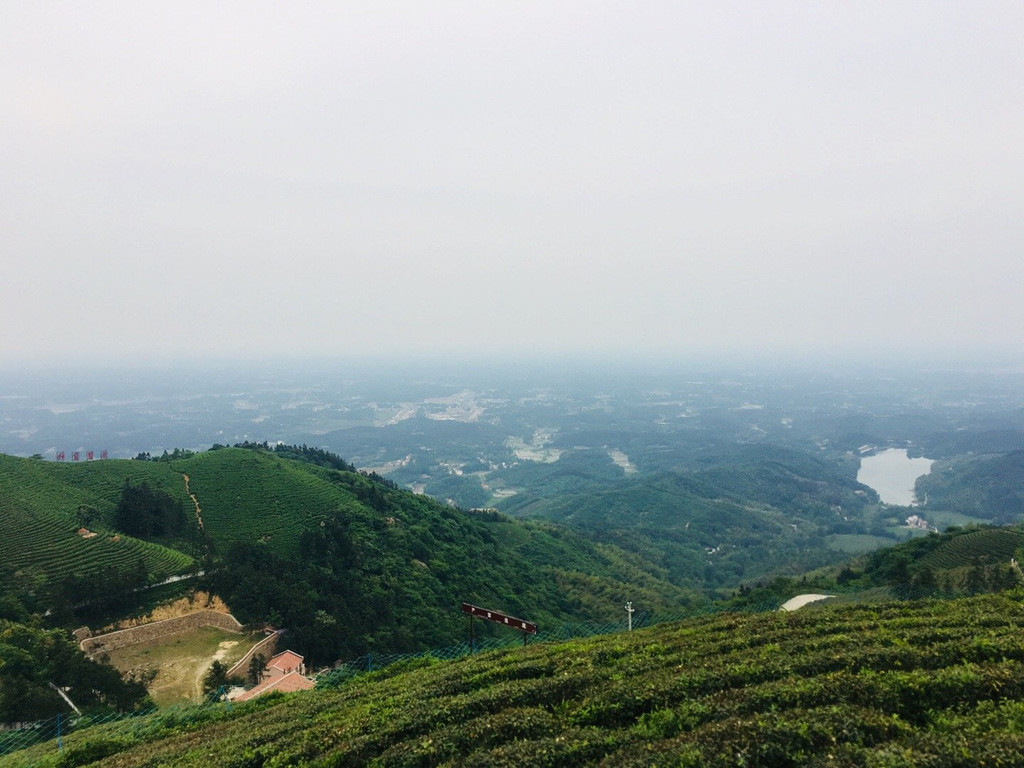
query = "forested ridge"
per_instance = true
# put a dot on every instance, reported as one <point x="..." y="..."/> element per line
<point x="294" y="536"/>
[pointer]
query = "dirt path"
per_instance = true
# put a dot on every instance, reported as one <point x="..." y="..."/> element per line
<point x="204" y="669"/>
<point x="199" y="512"/>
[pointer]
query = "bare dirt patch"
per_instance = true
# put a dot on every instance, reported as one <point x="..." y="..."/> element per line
<point x="181" y="607"/>
<point x="179" y="662"/>
<point x="223" y="649"/>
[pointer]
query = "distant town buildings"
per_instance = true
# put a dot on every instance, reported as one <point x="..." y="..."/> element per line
<point x="916" y="521"/>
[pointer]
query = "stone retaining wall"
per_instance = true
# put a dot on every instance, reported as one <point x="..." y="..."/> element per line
<point x="157" y="629"/>
<point x="264" y="648"/>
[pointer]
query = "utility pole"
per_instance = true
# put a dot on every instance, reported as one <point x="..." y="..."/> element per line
<point x="629" y="613"/>
<point x="65" y="697"/>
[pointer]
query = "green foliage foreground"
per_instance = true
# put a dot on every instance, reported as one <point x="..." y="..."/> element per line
<point x="938" y="683"/>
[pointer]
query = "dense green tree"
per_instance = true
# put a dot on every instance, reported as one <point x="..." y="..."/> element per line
<point x="146" y="513"/>
<point x="924" y="583"/>
<point x="257" y="668"/>
<point x="32" y="658"/>
<point x="216" y="680"/>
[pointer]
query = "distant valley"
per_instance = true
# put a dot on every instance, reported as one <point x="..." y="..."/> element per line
<point x="717" y="475"/>
<point x="359" y="512"/>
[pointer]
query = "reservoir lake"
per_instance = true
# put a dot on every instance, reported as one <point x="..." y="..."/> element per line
<point x="892" y="474"/>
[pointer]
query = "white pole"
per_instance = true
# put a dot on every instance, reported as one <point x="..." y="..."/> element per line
<point x="629" y="613"/>
<point x="65" y="697"/>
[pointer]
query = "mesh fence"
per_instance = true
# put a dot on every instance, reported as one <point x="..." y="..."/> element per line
<point x="30" y="743"/>
<point x="569" y="631"/>
<point x="52" y="731"/>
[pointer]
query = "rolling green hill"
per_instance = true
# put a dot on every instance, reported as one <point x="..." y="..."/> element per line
<point x="937" y="683"/>
<point x="987" y="487"/>
<point x="350" y="563"/>
<point x="963" y="549"/>
<point x="257" y="496"/>
<point x="43" y="505"/>
<point x="243" y="495"/>
<point x="748" y="511"/>
<point x="957" y="562"/>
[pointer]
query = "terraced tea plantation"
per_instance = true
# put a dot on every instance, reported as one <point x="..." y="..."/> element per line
<point x="243" y="496"/>
<point x="991" y="545"/>
<point x="41" y="512"/>
<point x="937" y="683"/>
<point x="254" y="496"/>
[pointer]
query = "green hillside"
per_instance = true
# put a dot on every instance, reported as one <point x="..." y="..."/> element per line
<point x="350" y="563"/>
<point x="43" y="505"/>
<point x="937" y="683"/>
<point x="244" y="495"/>
<point x="985" y="546"/>
<point x="987" y="487"/>
<point x="747" y="512"/>
<point x="257" y="496"/>
<point x="385" y="571"/>
<point x="957" y="562"/>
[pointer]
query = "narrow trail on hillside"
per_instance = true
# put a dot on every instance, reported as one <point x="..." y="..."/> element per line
<point x="204" y="668"/>
<point x="199" y="512"/>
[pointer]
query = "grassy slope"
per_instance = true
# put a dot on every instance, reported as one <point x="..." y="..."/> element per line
<point x="41" y="507"/>
<point x="987" y="487"/>
<point x="897" y="684"/>
<point x="376" y="556"/>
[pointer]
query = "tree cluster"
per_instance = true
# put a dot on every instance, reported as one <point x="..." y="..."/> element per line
<point x="146" y="513"/>
<point x="34" y="660"/>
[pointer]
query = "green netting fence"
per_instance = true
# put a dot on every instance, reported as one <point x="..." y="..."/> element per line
<point x="29" y="743"/>
<point x="510" y="639"/>
<point x="150" y="724"/>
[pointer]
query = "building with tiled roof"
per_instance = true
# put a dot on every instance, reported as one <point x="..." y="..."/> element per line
<point x="293" y="681"/>
<point x="285" y="672"/>
<point x="285" y="662"/>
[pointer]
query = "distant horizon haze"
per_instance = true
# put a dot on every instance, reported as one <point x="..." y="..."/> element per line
<point x="640" y="364"/>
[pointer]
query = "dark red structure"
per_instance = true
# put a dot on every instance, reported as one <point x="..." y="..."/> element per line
<point x="500" y="618"/>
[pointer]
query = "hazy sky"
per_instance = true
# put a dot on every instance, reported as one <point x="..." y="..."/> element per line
<point x="351" y="177"/>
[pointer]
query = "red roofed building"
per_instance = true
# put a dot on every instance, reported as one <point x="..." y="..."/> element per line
<point x="284" y="673"/>
<point x="285" y="662"/>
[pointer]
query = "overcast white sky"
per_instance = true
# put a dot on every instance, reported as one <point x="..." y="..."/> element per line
<point x="334" y="178"/>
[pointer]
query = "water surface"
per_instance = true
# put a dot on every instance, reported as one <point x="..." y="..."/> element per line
<point x="892" y="474"/>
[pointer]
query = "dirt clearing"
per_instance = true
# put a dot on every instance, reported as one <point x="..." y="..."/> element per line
<point x="179" y="662"/>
